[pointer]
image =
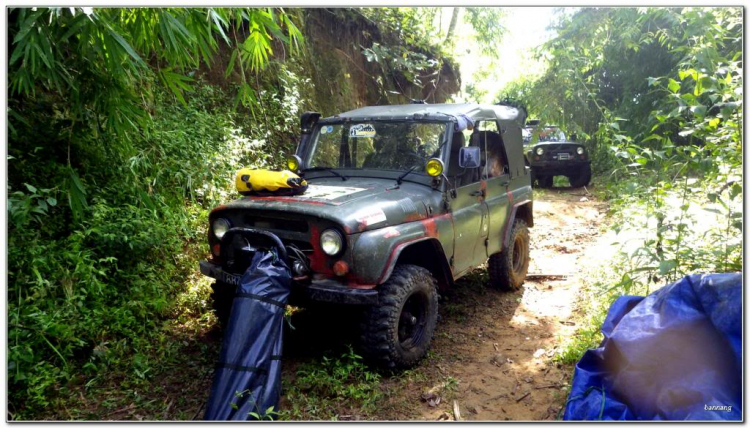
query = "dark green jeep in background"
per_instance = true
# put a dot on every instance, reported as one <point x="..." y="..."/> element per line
<point x="402" y="201"/>
<point x="550" y="153"/>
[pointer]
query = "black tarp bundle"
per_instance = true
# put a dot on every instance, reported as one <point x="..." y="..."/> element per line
<point x="247" y="381"/>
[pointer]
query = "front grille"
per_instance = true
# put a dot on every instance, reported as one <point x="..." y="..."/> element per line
<point x="269" y="223"/>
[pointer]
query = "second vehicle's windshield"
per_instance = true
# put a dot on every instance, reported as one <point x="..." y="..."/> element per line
<point x="549" y="133"/>
<point x="376" y="145"/>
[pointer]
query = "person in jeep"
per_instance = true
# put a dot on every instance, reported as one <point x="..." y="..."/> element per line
<point x="401" y="201"/>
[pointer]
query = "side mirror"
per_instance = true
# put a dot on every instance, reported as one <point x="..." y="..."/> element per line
<point x="468" y="157"/>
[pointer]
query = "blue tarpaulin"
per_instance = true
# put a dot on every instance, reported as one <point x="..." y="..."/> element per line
<point x="248" y="376"/>
<point x="673" y="355"/>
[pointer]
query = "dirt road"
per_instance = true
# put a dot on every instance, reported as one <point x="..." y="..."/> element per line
<point x="498" y="346"/>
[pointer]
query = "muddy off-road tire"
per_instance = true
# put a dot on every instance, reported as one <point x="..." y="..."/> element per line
<point x="221" y="301"/>
<point x="396" y="333"/>
<point x="508" y="268"/>
<point x="581" y="179"/>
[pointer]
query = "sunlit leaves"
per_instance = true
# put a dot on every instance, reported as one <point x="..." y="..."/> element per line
<point x="100" y="60"/>
<point x="76" y="195"/>
<point x="51" y="46"/>
<point x="176" y="82"/>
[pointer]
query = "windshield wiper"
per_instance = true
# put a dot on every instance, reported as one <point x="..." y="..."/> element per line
<point x="329" y="169"/>
<point x="401" y="177"/>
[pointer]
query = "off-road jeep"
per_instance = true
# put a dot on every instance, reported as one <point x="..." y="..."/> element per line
<point x="400" y="204"/>
<point x="549" y="153"/>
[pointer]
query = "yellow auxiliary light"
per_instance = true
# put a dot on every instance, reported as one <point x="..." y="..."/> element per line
<point x="293" y="163"/>
<point x="434" y="167"/>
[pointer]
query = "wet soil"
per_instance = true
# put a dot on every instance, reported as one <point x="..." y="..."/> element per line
<point x="500" y="349"/>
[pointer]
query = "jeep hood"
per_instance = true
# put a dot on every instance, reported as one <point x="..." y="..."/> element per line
<point x="357" y="204"/>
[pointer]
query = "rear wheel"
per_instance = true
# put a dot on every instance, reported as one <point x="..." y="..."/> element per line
<point x="508" y="268"/>
<point x="221" y="301"/>
<point x="397" y="332"/>
<point x="581" y="179"/>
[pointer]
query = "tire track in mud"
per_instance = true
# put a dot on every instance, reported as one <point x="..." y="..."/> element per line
<point x="493" y="350"/>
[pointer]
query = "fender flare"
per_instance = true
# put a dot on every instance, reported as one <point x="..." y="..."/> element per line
<point x="399" y="249"/>
<point x="511" y="219"/>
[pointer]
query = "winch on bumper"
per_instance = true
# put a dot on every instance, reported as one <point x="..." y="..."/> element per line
<point x="320" y="290"/>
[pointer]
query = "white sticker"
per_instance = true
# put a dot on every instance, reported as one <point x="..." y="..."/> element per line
<point x="370" y="216"/>
<point x="362" y="131"/>
<point x="328" y="192"/>
<point x="324" y="130"/>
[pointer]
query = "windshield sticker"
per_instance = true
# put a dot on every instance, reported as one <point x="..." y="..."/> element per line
<point x="329" y="193"/>
<point x="324" y="130"/>
<point x="370" y="216"/>
<point x="362" y="131"/>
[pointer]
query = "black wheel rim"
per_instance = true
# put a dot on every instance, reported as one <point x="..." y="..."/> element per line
<point x="412" y="321"/>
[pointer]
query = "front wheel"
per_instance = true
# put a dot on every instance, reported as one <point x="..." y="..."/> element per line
<point x="397" y="332"/>
<point x="508" y="268"/>
<point x="582" y="178"/>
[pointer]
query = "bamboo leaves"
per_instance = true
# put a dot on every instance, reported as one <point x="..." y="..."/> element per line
<point x="76" y="195"/>
<point x="122" y="47"/>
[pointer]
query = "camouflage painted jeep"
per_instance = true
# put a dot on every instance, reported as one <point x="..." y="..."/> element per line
<point x="553" y="154"/>
<point x="400" y="204"/>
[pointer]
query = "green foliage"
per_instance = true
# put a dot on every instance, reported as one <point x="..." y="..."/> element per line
<point x="407" y="63"/>
<point x="488" y="28"/>
<point x="656" y="94"/>
<point x="85" y="297"/>
<point x="323" y="386"/>
<point x="110" y="111"/>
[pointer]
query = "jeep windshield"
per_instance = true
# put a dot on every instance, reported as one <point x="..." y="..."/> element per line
<point x="380" y="145"/>
<point x="549" y="133"/>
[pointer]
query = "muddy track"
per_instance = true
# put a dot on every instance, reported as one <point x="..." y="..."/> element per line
<point x="500" y="346"/>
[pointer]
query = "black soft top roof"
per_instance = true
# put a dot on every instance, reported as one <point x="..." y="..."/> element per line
<point x="433" y="111"/>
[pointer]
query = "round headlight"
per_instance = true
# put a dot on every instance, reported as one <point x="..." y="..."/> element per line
<point x="293" y="163"/>
<point x="434" y="167"/>
<point x="220" y="227"/>
<point x="579" y="150"/>
<point x="539" y="151"/>
<point x="331" y="242"/>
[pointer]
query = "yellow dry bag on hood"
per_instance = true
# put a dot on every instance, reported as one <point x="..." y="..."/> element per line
<point x="262" y="182"/>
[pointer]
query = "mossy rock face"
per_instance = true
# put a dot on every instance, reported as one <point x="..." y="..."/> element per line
<point x="334" y="74"/>
<point x="342" y="77"/>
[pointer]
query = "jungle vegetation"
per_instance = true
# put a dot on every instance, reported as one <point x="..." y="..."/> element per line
<point x="656" y="94"/>
<point x="126" y="125"/>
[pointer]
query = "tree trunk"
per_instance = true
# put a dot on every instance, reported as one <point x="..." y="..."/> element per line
<point x="452" y="26"/>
